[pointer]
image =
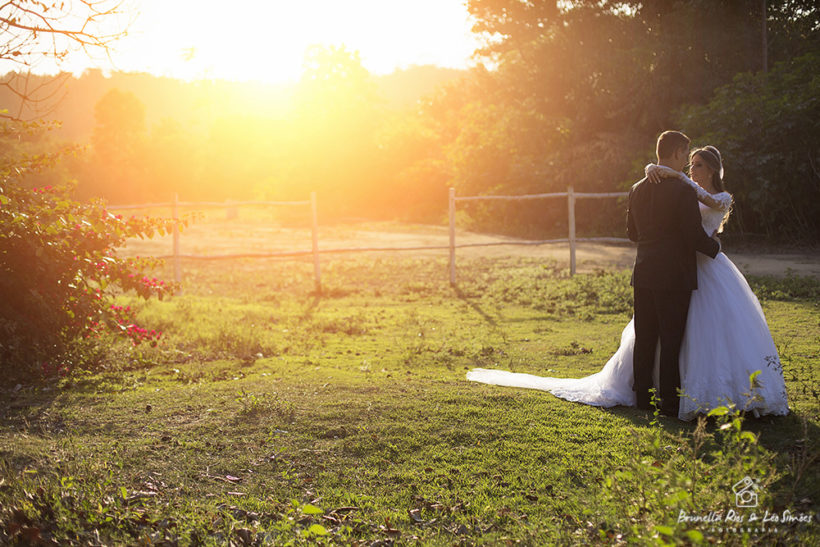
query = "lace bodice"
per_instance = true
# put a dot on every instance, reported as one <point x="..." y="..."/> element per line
<point x="711" y="219"/>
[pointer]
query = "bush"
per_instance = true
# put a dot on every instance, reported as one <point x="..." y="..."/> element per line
<point x="767" y="126"/>
<point x="58" y="272"/>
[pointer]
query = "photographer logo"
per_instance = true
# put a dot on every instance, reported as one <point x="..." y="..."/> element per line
<point x="746" y="518"/>
<point x="745" y="492"/>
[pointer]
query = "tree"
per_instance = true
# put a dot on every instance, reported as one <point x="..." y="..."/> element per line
<point x="605" y="67"/>
<point x="767" y="128"/>
<point x="582" y="88"/>
<point x="118" y="161"/>
<point x="34" y="32"/>
<point x="337" y="118"/>
<point x="792" y="29"/>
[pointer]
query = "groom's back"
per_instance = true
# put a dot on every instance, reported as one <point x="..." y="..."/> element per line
<point x="664" y="260"/>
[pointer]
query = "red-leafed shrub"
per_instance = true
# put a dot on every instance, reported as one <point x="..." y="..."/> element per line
<point x="59" y="273"/>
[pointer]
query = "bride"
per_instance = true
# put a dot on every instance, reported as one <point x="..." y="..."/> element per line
<point x="726" y="338"/>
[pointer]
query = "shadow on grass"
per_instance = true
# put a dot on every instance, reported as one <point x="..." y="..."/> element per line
<point x="783" y="433"/>
<point x="775" y="433"/>
<point x="466" y="299"/>
<point x="26" y="410"/>
<point x="311" y="307"/>
<point x="788" y="435"/>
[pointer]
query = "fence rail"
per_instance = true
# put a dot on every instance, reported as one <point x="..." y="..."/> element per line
<point x="177" y="256"/>
<point x="570" y="194"/>
<point x="204" y="204"/>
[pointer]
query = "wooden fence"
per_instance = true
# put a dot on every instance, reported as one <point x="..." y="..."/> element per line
<point x="177" y="256"/>
<point x="571" y="196"/>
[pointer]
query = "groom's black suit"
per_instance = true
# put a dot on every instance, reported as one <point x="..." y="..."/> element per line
<point x="664" y="219"/>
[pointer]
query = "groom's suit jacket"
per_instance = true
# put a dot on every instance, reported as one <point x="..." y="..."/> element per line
<point x="664" y="219"/>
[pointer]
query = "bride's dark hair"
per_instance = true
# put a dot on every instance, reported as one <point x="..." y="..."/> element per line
<point x="711" y="156"/>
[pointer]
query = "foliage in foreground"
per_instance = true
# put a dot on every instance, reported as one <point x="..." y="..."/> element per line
<point x="58" y="271"/>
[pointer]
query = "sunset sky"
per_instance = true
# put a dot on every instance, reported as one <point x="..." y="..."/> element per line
<point x="265" y="40"/>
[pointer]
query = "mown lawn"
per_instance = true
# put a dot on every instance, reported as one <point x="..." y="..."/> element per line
<point x="271" y="414"/>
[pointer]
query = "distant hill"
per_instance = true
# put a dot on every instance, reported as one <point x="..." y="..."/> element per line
<point x="192" y="102"/>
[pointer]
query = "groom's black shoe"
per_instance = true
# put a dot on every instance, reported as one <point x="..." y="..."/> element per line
<point x="670" y="410"/>
<point x="669" y="405"/>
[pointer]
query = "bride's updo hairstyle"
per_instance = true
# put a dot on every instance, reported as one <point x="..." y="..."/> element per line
<point x="711" y="156"/>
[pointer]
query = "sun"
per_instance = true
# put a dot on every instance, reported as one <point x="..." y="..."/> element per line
<point x="266" y="40"/>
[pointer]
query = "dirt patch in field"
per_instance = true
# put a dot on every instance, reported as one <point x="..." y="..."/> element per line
<point x="221" y="237"/>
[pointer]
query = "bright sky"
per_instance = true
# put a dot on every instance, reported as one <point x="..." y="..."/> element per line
<point x="266" y="39"/>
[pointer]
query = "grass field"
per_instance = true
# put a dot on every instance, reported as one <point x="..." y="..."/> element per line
<point x="271" y="414"/>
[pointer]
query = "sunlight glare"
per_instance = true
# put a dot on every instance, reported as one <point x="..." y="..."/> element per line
<point x="266" y="40"/>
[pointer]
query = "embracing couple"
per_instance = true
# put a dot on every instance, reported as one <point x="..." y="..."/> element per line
<point x="698" y="332"/>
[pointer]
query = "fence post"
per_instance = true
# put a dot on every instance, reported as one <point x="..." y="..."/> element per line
<point x="452" y="208"/>
<point x="571" y="222"/>
<point x="177" y="266"/>
<point x="315" y="229"/>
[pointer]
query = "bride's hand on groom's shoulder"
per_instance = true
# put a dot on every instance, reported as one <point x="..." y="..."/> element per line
<point x="656" y="173"/>
<point x="653" y="173"/>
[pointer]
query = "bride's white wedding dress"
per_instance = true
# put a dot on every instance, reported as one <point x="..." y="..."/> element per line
<point x="726" y="340"/>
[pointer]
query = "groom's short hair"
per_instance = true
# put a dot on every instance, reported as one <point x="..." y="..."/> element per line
<point x="670" y="142"/>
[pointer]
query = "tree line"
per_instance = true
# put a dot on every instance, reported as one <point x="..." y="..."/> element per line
<point x="565" y="93"/>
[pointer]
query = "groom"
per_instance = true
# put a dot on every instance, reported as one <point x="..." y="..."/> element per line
<point x="664" y="220"/>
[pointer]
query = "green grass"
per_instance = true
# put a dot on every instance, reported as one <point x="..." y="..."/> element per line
<point x="272" y="414"/>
